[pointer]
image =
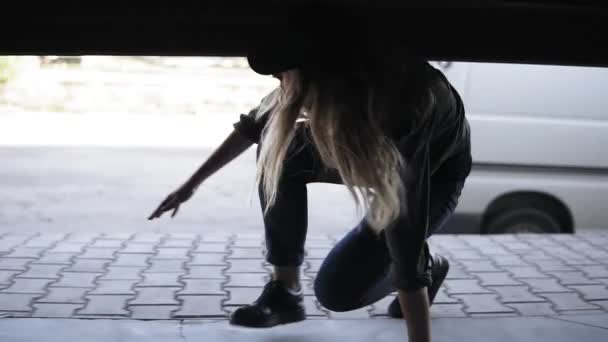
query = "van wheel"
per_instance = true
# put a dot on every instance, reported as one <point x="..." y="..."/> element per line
<point x="523" y="220"/>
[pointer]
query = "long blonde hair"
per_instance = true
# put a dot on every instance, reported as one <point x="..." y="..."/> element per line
<point x="346" y="114"/>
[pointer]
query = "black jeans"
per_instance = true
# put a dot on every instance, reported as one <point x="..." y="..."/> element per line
<point x="355" y="273"/>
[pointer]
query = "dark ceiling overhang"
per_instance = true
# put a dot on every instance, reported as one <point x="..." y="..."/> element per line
<point x="549" y="32"/>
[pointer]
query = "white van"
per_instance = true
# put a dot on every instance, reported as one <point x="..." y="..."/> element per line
<point x="539" y="135"/>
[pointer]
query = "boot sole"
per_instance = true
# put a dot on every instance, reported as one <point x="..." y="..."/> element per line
<point x="276" y="319"/>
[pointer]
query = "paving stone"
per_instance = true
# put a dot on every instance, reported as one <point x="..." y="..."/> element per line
<point x="248" y="236"/>
<point x="201" y="306"/>
<point x="172" y="253"/>
<point x="248" y="243"/>
<point x="114" y="287"/>
<point x="313" y="265"/>
<point x="599" y="271"/>
<point x="482" y="303"/>
<point x="581" y="261"/>
<point x="160" y="279"/>
<point x="509" y="260"/>
<point x="525" y="272"/>
<point x="20" y="234"/>
<point x="104" y="243"/>
<point x="246" y="266"/>
<point x="246" y="279"/>
<point x="148" y="237"/>
<point x="494" y="315"/>
<point x="307" y="286"/>
<point x="155" y="296"/>
<point x="518" y="246"/>
<point x="479" y="266"/>
<point x="117" y="236"/>
<point x="123" y="273"/>
<point x="595" y="253"/>
<point x="536" y="255"/>
<point x="184" y="236"/>
<point x="166" y="266"/>
<point x="242" y="295"/>
<point x="457" y="272"/>
<point x="98" y="253"/>
<point x="601" y="280"/>
<point x="563" y="314"/>
<point x="592" y="292"/>
<point x="42" y="271"/>
<point x="533" y="309"/>
<point x="15" y="314"/>
<point x="323" y="244"/>
<point x="447" y="310"/>
<point x="245" y="253"/>
<point x="216" y="237"/>
<point x="177" y="243"/>
<point x="500" y="238"/>
<point x="568" y="301"/>
<point x="573" y="278"/>
<point x="8" y="245"/>
<point x="22" y="252"/>
<point x="362" y="313"/>
<point x="28" y="286"/>
<point x="466" y="254"/>
<point x="561" y="252"/>
<point x="317" y="253"/>
<point x="203" y="247"/>
<point x="89" y="265"/>
<point x="313" y="308"/>
<point x="128" y="260"/>
<point x="442" y="297"/>
<point x="83" y="237"/>
<point x="602" y="303"/>
<point x="14" y="264"/>
<point x="545" y="285"/>
<point x="546" y="266"/>
<point x="208" y="259"/>
<point x="55" y="259"/>
<point x="143" y="248"/>
<point x="39" y="243"/>
<point x="202" y="287"/>
<point x="496" y="278"/>
<point x="464" y="286"/>
<point x="16" y="301"/>
<point x="76" y="279"/>
<point x="101" y="305"/>
<point x="55" y="310"/>
<point x="152" y="311"/>
<point x="515" y="294"/>
<point x="5" y="277"/>
<point x="68" y="247"/>
<point x="64" y="295"/>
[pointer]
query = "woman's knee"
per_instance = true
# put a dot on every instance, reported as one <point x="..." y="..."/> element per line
<point x="330" y="293"/>
<point x="327" y="298"/>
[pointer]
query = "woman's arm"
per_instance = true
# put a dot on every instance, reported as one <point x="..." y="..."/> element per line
<point x="232" y="147"/>
<point x="415" y="308"/>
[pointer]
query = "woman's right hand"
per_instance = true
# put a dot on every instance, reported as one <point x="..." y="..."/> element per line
<point x="173" y="201"/>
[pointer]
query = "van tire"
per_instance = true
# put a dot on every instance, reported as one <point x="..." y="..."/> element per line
<point x="523" y="220"/>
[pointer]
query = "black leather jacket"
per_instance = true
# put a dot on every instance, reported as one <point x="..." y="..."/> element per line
<point x="434" y="138"/>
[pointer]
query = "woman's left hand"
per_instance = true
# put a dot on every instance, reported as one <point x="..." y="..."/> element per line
<point x="173" y="201"/>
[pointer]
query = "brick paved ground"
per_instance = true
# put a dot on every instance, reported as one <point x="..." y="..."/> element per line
<point x="179" y="276"/>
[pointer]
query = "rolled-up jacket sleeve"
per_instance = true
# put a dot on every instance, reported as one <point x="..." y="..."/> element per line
<point x="406" y="236"/>
<point x="252" y="124"/>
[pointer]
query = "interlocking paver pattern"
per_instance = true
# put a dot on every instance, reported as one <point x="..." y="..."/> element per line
<point x="181" y="276"/>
